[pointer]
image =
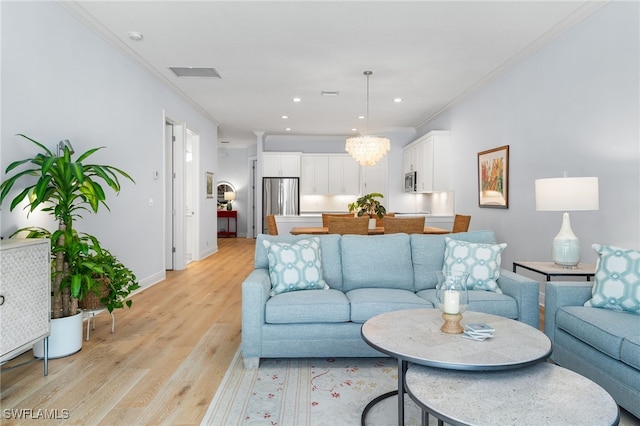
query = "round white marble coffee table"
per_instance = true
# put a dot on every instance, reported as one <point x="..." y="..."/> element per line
<point x="414" y="336"/>
<point x="542" y="394"/>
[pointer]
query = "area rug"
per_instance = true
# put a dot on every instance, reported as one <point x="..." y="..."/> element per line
<point x="313" y="392"/>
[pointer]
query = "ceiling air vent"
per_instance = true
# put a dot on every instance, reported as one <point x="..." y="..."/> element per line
<point x="195" y="72"/>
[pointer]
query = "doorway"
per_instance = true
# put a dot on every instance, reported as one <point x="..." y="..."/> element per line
<point x="181" y="208"/>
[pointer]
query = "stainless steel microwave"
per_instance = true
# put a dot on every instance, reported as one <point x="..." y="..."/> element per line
<point x="410" y="182"/>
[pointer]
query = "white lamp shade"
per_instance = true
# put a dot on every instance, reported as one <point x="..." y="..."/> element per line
<point x="567" y="194"/>
<point x="229" y="196"/>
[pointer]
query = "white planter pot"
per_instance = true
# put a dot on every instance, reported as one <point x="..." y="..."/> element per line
<point x="372" y="224"/>
<point x="65" y="338"/>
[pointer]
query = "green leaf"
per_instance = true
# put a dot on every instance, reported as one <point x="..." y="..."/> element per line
<point x="44" y="148"/>
<point x="18" y="199"/>
<point x="47" y="164"/>
<point x="76" y="282"/>
<point x="82" y="157"/>
<point x="16" y="164"/>
<point x="41" y="187"/>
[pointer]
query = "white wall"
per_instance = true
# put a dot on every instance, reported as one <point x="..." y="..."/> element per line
<point x="573" y="106"/>
<point x="62" y="81"/>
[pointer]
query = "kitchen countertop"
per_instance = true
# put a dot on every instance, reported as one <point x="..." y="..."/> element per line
<point x="318" y="214"/>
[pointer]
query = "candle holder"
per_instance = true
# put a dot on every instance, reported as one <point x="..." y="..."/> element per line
<point x="453" y="299"/>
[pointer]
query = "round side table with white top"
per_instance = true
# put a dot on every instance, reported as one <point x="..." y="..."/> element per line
<point x="542" y="394"/>
<point x="414" y="336"/>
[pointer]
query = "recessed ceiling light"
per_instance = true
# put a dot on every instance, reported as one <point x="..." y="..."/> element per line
<point x="195" y="72"/>
<point x="354" y="130"/>
<point x="330" y="93"/>
<point x="285" y="117"/>
<point x="288" y="129"/>
<point x="297" y="100"/>
<point x="397" y="100"/>
<point x="135" y="36"/>
<point x="361" y="117"/>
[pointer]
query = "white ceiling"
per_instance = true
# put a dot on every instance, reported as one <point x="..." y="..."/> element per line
<point x="429" y="53"/>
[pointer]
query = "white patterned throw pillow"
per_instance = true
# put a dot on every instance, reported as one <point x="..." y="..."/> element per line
<point x="617" y="280"/>
<point x="295" y="266"/>
<point x="480" y="261"/>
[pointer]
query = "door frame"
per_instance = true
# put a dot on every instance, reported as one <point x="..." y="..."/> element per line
<point x="174" y="203"/>
<point x="252" y="198"/>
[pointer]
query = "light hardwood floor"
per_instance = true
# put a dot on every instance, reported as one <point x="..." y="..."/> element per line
<point x="162" y="365"/>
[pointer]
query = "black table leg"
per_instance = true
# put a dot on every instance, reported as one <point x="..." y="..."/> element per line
<point x="402" y="370"/>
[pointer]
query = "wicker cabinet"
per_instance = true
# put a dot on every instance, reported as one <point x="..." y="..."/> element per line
<point x="25" y="295"/>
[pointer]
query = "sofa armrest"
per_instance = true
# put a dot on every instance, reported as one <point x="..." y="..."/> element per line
<point x="255" y="293"/>
<point x="558" y="294"/>
<point x="526" y="292"/>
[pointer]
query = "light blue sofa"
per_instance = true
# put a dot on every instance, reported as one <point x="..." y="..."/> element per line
<point x="368" y="275"/>
<point x="601" y="344"/>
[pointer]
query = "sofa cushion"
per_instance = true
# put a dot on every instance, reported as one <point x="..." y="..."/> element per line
<point x="313" y="306"/>
<point x="487" y="302"/>
<point x="617" y="279"/>
<point x="295" y="266"/>
<point x="427" y="253"/>
<point x="602" y="329"/>
<point x="481" y="261"/>
<point x="329" y="246"/>
<point x="369" y="302"/>
<point x="380" y="261"/>
<point x="630" y="349"/>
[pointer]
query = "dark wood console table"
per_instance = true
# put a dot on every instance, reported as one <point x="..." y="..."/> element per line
<point x="229" y="214"/>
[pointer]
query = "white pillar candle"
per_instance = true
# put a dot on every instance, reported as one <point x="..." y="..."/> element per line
<point x="451" y="302"/>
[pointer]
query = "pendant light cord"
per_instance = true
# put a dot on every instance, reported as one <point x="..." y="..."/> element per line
<point x="368" y="74"/>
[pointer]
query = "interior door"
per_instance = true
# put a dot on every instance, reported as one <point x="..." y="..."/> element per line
<point x="190" y="200"/>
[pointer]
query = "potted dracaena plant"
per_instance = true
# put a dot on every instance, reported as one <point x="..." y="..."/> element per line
<point x="368" y="205"/>
<point x="64" y="187"/>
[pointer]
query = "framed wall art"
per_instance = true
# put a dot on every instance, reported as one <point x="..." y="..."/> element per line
<point x="493" y="178"/>
<point x="209" y="184"/>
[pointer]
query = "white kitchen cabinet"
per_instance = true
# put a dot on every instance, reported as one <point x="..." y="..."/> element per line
<point x="409" y="158"/>
<point x="344" y="175"/>
<point x="25" y="295"/>
<point x="431" y="156"/>
<point x="329" y="174"/>
<point x="375" y="179"/>
<point x="281" y="164"/>
<point x="314" y="175"/>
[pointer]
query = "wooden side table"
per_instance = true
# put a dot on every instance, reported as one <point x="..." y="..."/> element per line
<point x="229" y="214"/>
<point x="550" y="269"/>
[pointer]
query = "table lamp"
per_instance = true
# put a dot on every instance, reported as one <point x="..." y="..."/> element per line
<point x="566" y="194"/>
<point x="229" y="197"/>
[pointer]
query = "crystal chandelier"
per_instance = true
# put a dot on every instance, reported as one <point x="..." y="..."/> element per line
<point x="367" y="150"/>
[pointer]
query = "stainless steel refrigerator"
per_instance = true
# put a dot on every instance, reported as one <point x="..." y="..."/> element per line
<point x="280" y="197"/>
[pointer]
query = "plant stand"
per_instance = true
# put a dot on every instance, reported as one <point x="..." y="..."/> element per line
<point x="90" y="316"/>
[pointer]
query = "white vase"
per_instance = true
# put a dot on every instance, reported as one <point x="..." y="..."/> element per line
<point x="65" y="338"/>
<point x="372" y="224"/>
